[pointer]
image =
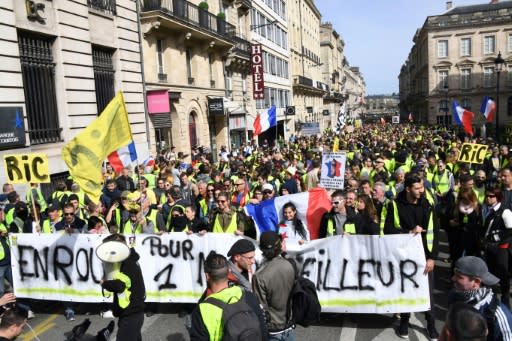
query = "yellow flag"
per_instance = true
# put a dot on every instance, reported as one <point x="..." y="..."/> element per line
<point x="336" y="146"/>
<point x="85" y="154"/>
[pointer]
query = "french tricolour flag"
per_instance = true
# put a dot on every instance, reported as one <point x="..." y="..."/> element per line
<point x="311" y="206"/>
<point x="123" y="157"/>
<point x="488" y="108"/>
<point x="463" y="117"/>
<point x="265" y="121"/>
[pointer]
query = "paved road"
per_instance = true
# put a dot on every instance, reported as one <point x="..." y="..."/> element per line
<point x="167" y="323"/>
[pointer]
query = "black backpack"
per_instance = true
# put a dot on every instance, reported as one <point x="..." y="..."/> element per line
<point x="305" y="306"/>
<point x="240" y="321"/>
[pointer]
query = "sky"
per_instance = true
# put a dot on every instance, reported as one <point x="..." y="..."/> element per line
<point x="378" y="34"/>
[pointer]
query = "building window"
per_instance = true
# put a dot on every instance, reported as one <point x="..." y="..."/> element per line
<point x="509" y="106"/>
<point x="489" y="44"/>
<point x="192" y="129"/>
<point x="210" y="70"/>
<point x="465" y="47"/>
<point x="160" y="57"/>
<point x="106" y="6"/>
<point x="466" y="103"/>
<point x="38" y="72"/>
<point x="509" y="75"/>
<point x="244" y="83"/>
<point x="509" y="43"/>
<point x="489" y="77"/>
<point x="188" y="57"/>
<point x="104" y="76"/>
<point x="442" y="48"/>
<point x="443" y="105"/>
<point x="465" y="78"/>
<point x="443" y="79"/>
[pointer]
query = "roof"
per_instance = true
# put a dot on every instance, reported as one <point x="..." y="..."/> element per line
<point x="479" y="8"/>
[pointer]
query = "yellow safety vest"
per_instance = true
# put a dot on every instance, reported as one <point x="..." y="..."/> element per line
<point x="9" y="216"/>
<point x="442" y="184"/>
<point x="39" y="199"/>
<point x="430" y="227"/>
<point x="128" y="228"/>
<point x="212" y="315"/>
<point x="47" y="226"/>
<point x="347" y="227"/>
<point x="123" y="299"/>
<point x="2" y="250"/>
<point x="231" y="228"/>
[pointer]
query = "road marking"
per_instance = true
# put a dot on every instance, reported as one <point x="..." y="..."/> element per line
<point x="348" y="329"/>
<point x="42" y="326"/>
<point x="31" y="335"/>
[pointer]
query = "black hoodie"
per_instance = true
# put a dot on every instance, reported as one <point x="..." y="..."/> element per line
<point x="412" y="215"/>
<point x="130" y="267"/>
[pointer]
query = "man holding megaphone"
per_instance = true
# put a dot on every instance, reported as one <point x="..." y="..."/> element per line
<point x="126" y="282"/>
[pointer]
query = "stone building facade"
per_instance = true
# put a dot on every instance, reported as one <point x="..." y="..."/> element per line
<point x="60" y="69"/>
<point x="194" y="54"/>
<point x="332" y="59"/>
<point x="453" y="58"/>
<point x="305" y="61"/>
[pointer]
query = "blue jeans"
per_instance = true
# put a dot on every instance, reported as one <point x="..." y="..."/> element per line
<point x="288" y="335"/>
<point x="5" y="273"/>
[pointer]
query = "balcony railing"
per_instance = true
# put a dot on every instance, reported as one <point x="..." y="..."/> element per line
<point x="192" y="14"/>
<point x="304" y="81"/>
<point x="106" y="6"/>
<point x="241" y="46"/>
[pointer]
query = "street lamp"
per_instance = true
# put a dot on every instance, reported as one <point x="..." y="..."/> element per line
<point x="498" y="62"/>
<point x="254" y="27"/>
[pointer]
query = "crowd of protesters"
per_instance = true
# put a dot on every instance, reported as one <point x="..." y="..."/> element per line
<point x="389" y="169"/>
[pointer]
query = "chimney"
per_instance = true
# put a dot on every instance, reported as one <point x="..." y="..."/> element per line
<point x="449" y="5"/>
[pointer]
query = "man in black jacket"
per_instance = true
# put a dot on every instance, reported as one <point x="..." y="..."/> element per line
<point x="129" y="294"/>
<point x="412" y="213"/>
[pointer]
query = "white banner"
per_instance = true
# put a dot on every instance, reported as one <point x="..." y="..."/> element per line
<point x="333" y="170"/>
<point x="360" y="274"/>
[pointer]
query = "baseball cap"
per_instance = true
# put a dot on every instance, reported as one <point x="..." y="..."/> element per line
<point x="241" y="246"/>
<point x="475" y="267"/>
<point x="269" y="239"/>
<point x="267" y="187"/>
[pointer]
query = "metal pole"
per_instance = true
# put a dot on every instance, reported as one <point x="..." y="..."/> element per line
<point x="144" y="91"/>
<point x="498" y="106"/>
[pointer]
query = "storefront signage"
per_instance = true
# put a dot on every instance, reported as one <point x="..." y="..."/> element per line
<point x="258" y="85"/>
<point x="216" y="106"/>
<point x="158" y="102"/>
<point x="12" y="127"/>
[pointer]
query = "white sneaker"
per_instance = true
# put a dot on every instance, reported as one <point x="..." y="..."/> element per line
<point x="30" y="315"/>
<point x="107" y="314"/>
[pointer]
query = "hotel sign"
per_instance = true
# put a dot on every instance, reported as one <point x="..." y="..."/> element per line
<point x="258" y="84"/>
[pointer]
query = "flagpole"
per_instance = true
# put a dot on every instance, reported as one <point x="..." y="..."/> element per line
<point x="277" y="141"/>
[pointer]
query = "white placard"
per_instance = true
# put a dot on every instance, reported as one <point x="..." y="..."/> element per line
<point x="333" y="170"/>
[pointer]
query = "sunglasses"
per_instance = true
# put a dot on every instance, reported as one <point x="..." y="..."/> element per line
<point x="211" y="190"/>
<point x="267" y="192"/>
<point x="336" y="203"/>
<point x="239" y="184"/>
<point x="221" y="201"/>
<point x="68" y="214"/>
<point x="490" y="195"/>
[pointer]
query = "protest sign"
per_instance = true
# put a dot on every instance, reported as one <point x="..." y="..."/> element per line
<point x="24" y="168"/>
<point x="333" y="170"/>
<point x="360" y="274"/>
<point x="473" y="153"/>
